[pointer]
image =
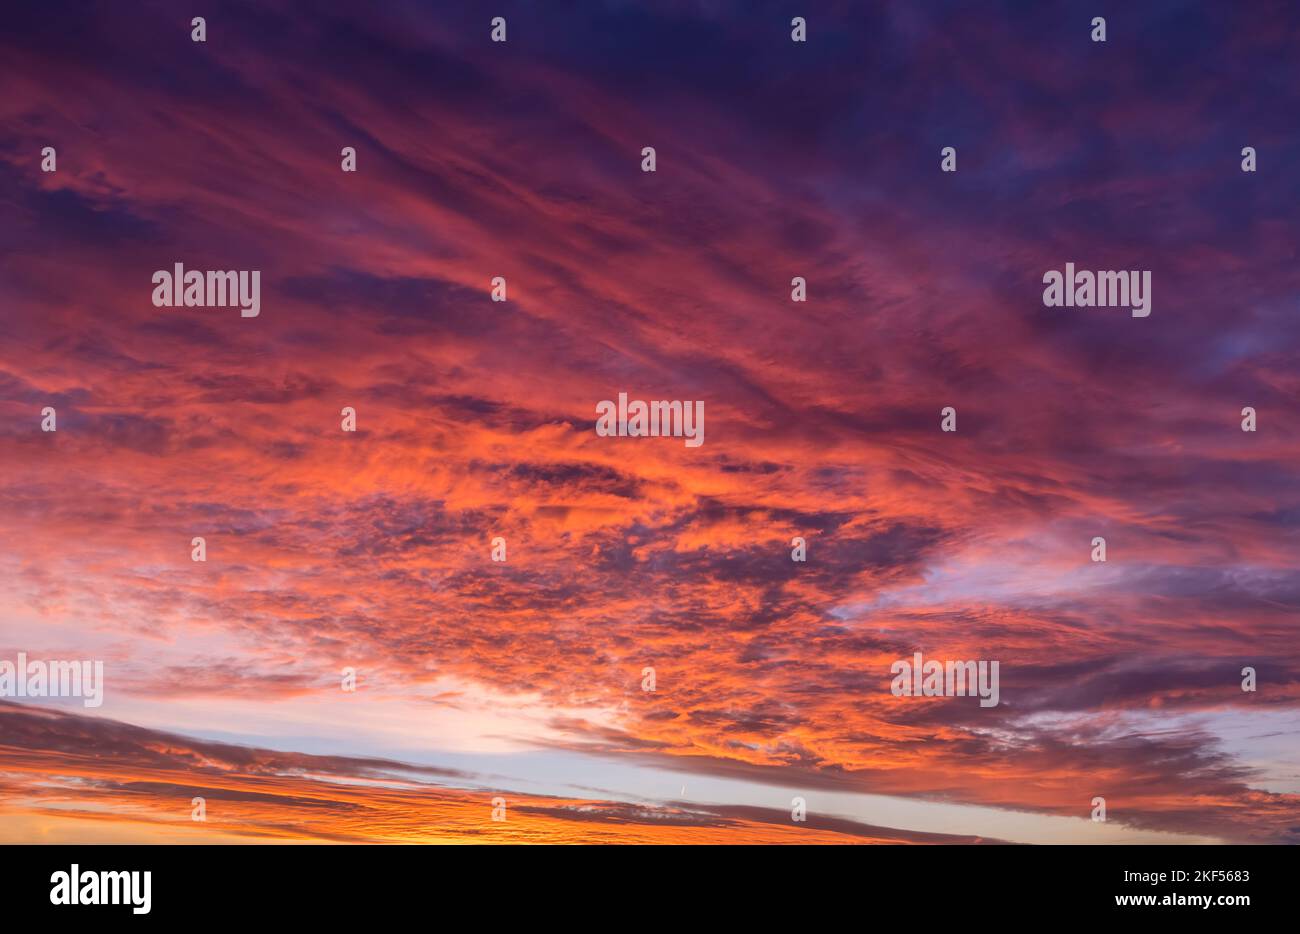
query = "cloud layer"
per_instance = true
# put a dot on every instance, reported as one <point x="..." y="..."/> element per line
<point x="475" y="419"/>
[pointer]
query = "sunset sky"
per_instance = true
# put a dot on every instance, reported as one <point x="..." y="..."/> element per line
<point x="476" y="419"/>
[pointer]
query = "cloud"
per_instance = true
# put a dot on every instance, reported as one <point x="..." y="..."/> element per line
<point x="475" y="417"/>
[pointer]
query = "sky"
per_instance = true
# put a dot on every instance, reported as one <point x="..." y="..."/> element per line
<point x="522" y="680"/>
